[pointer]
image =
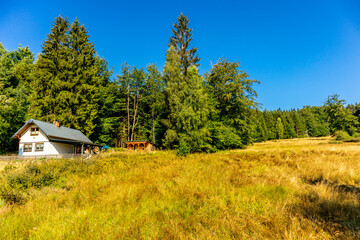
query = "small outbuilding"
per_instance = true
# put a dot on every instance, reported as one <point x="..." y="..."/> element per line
<point x="138" y="144"/>
<point x="42" y="138"/>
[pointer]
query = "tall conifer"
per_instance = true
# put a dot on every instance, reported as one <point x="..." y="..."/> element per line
<point x="68" y="77"/>
<point x="181" y="42"/>
<point x="50" y="68"/>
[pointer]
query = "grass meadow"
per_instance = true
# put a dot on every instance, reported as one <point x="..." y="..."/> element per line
<point x="286" y="189"/>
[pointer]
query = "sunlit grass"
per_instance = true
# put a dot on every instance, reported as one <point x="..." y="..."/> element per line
<point x="287" y="189"/>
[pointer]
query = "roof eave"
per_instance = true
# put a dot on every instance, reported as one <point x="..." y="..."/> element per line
<point x="55" y="137"/>
<point x="26" y="125"/>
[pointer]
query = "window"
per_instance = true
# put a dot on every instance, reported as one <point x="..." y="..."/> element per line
<point x="28" y="147"/>
<point x="39" y="147"/>
<point x="34" y="131"/>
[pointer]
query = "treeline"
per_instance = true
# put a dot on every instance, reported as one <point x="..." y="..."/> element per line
<point x="333" y="118"/>
<point x="175" y="108"/>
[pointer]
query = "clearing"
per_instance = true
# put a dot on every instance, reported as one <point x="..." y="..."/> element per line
<point x="286" y="189"/>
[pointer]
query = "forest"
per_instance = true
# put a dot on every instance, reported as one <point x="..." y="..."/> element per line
<point x="174" y="107"/>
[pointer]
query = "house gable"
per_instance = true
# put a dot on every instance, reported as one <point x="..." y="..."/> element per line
<point x="27" y="137"/>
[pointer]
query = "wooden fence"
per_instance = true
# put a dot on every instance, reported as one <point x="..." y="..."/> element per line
<point x="40" y="157"/>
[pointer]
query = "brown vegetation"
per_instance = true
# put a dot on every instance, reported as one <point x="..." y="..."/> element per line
<point x="288" y="189"/>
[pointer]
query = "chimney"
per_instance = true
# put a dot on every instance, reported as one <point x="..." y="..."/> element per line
<point x="56" y="123"/>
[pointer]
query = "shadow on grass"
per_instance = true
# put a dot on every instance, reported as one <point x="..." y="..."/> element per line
<point x="338" y="211"/>
<point x="338" y="187"/>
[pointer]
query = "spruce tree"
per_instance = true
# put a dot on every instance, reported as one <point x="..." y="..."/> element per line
<point x="68" y="76"/>
<point x="84" y="82"/>
<point x="50" y="69"/>
<point x="181" y="42"/>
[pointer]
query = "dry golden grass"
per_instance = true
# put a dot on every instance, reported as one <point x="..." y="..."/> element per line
<point x="288" y="189"/>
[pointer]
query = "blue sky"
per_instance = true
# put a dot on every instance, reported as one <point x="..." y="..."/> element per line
<point x="301" y="51"/>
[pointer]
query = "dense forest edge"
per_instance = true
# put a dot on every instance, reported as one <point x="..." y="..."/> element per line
<point x="175" y="108"/>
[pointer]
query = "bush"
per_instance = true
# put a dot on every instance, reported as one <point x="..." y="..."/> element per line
<point x="356" y="135"/>
<point x="225" y="137"/>
<point x="12" y="196"/>
<point x="33" y="175"/>
<point x="342" y="135"/>
<point x="183" y="149"/>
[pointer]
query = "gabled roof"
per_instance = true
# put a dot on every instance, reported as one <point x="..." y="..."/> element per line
<point x="52" y="131"/>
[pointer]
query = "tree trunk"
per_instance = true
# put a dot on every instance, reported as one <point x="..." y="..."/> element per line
<point x="128" y="113"/>
<point x="153" y="125"/>
<point x="136" y="103"/>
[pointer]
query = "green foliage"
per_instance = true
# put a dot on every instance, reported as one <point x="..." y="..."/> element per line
<point x="338" y="116"/>
<point x="68" y="79"/>
<point x="181" y="41"/>
<point x="279" y="128"/>
<point x="175" y="109"/>
<point x="342" y="135"/>
<point x="224" y="137"/>
<point x="15" y="75"/>
<point x="183" y="149"/>
<point x="187" y="106"/>
<point x="231" y="90"/>
<point x="232" y="98"/>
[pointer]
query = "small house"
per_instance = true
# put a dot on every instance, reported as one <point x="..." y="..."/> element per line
<point x="42" y="138"/>
<point x="138" y="144"/>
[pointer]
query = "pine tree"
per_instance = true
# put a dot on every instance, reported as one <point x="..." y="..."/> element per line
<point x="181" y="42"/>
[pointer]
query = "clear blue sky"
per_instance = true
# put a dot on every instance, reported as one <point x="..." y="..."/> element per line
<point x="301" y="51"/>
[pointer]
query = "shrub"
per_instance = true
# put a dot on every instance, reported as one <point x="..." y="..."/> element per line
<point x="33" y="175"/>
<point x="225" y="137"/>
<point x="356" y="135"/>
<point x="183" y="149"/>
<point x="12" y="196"/>
<point x="342" y="135"/>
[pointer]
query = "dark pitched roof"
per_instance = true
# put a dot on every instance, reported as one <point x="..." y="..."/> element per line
<point x="51" y="131"/>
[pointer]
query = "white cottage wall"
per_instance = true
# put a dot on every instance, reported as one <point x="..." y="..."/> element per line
<point x="26" y="137"/>
<point x="60" y="148"/>
<point x="50" y="148"/>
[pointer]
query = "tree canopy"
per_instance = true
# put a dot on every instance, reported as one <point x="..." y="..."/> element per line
<point x="175" y="107"/>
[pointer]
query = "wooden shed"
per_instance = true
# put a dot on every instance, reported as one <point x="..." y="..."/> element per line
<point x="138" y="144"/>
